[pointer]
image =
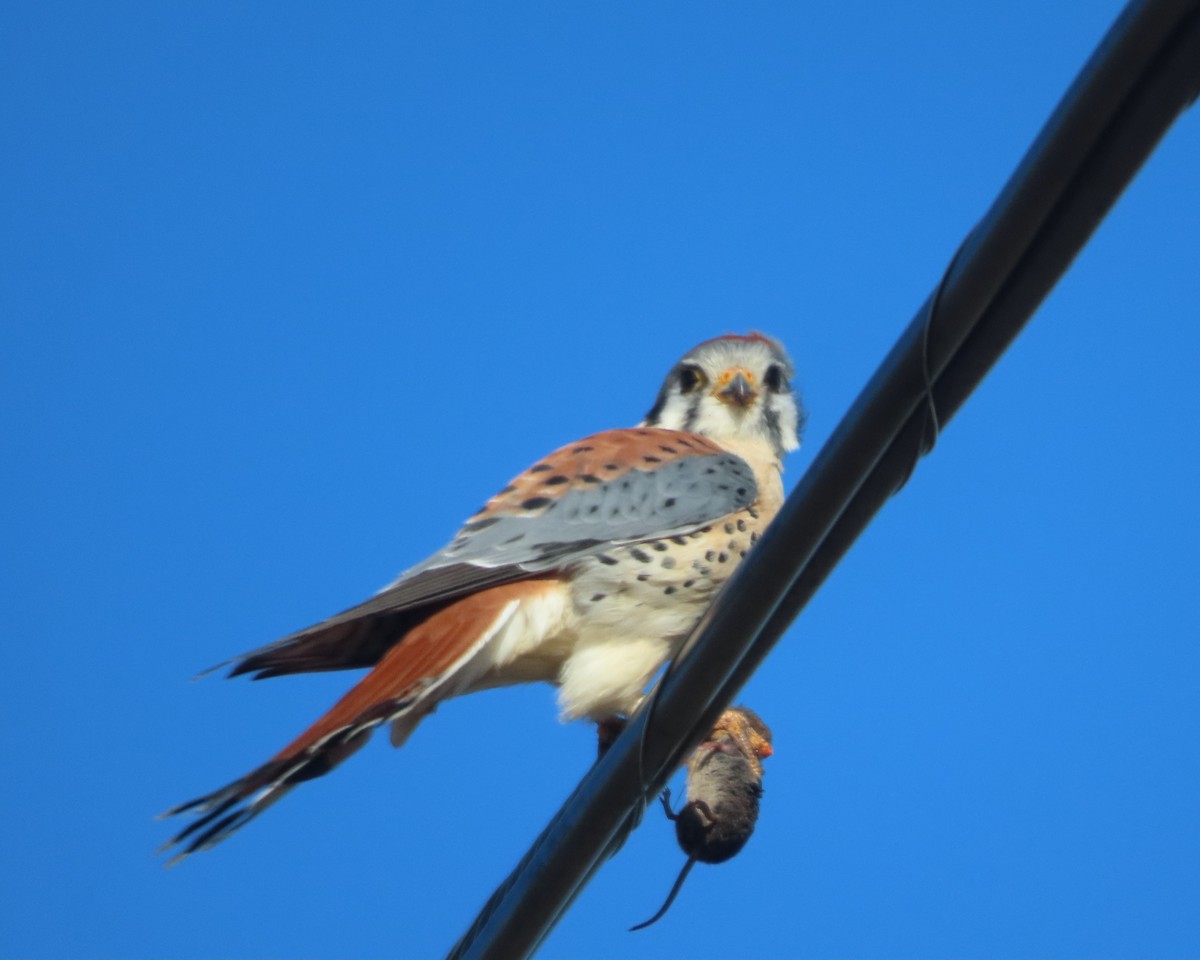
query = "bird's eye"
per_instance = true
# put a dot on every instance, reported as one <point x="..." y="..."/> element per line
<point x="774" y="379"/>
<point x="690" y="378"/>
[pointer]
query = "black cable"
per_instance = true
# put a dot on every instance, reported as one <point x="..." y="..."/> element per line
<point x="1144" y="73"/>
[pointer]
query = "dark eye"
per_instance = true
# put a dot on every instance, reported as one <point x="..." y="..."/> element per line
<point x="774" y="379"/>
<point x="690" y="378"/>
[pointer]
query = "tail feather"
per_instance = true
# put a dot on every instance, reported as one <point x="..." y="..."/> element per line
<point x="325" y="744"/>
<point x="221" y="813"/>
<point x="202" y="832"/>
<point x="405" y="685"/>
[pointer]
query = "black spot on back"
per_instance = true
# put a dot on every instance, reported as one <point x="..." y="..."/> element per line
<point x="535" y="503"/>
<point x="541" y="468"/>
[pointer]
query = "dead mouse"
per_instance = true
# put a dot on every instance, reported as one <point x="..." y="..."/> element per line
<point x="724" y="784"/>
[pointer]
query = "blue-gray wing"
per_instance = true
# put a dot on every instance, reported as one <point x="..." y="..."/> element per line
<point x="617" y="487"/>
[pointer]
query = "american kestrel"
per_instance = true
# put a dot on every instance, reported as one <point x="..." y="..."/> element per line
<point x="587" y="571"/>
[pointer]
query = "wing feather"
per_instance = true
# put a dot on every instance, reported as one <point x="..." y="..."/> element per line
<point x="615" y="487"/>
<point x="432" y="655"/>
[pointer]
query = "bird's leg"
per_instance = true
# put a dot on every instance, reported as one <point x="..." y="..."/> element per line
<point x="607" y="732"/>
<point x="665" y="797"/>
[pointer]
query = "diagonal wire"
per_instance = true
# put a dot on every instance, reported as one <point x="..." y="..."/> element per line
<point x="1142" y="76"/>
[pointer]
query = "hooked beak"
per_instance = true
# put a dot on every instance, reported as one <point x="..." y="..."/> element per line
<point x="736" y="387"/>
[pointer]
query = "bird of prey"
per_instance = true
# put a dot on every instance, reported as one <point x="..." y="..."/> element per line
<point x="587" y="571"/>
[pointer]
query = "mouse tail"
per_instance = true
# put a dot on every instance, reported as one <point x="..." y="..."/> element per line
<point x="687" y="868"/>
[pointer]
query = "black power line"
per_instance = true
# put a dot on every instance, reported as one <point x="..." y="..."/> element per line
<point x="1143" y="75"/>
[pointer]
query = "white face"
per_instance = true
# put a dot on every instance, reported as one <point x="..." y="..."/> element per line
<point x="732" y="387"/>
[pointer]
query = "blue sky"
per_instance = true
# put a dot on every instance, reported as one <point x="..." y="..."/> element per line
<point x="288" y="290"/>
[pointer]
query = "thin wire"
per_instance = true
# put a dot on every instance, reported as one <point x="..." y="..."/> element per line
<point x="928" y="443"/>
<point x="931" y="426"/>
<point x="638" y="813"/>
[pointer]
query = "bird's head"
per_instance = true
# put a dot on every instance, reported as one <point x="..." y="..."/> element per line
<point x="733" y="387"/>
